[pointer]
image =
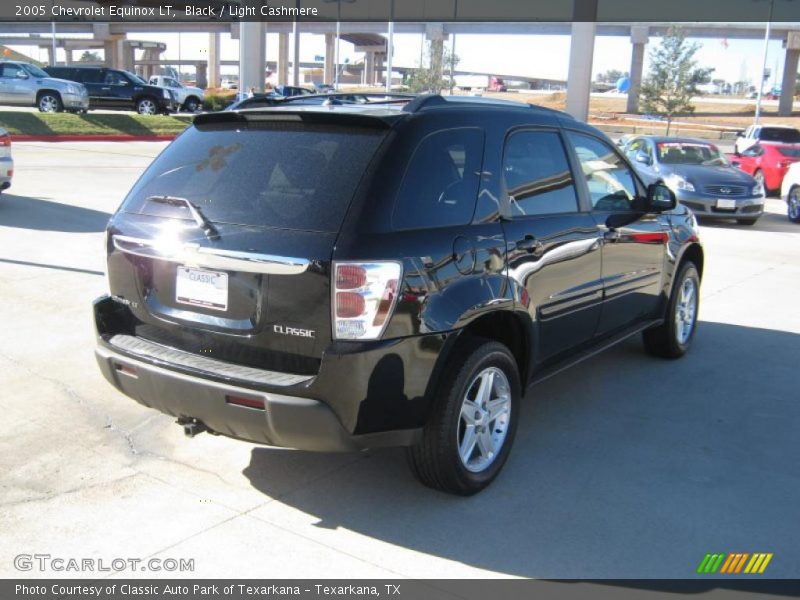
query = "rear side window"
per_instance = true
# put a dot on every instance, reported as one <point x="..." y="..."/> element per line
<point x="280" y="175"/>
<point x="10" y="70"/>
<point x="441" y="182"/>
<point x="537" y="175"/>
<point x="779" y="134"/>
<point x="89" y="75"/>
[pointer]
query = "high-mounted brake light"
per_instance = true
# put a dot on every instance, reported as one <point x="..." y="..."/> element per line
<point x="364" y="297"/>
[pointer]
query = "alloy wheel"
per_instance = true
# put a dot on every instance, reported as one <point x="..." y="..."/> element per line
<point x="48" y="104"/>
<point x="484" y="420"/>
<point x="147" y="107"/>
<point x="794" y="205"/>
<point x="685" y="311"/>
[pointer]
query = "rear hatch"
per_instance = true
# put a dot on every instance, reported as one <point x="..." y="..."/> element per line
<point x="223" y="247"/>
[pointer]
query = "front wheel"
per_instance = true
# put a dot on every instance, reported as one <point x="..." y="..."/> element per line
<point x="49" y="102"/>
<point x="191" y="104"/>
<point x="793" y="205"/>
<point x="673" y="337"/>
<point x="469" y="435"/>
<point x="146" y="106"/>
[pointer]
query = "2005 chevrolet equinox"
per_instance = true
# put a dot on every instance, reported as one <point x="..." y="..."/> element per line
<point x="336" y="278"/>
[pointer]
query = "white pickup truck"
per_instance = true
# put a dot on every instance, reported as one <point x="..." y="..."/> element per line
<point x="188" y="97"/>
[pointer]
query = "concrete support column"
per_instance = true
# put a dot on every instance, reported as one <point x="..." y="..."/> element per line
<point x="296" y="55"/>
<point x="786" y="102"/>
<point x="51" y="58"/>
<point x="68" y="56"/>
<point x="369" y="68"/>
<point x="330" y="52"/>
<point x="378" y="75"/>
<point x="201" y="75"/>
<point x="128" y="57"/>
<point x="252" y="56"/>
<point x="579" y="79"/>
<point x="639" y="38"/>
<point x="213" y="60"/>
<point x="435" y="34"/>
<point x="283" y="59"/>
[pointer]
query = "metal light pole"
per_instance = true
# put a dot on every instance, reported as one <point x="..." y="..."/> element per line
<point x="763" y="65"/>
<point x="53" y="33"/>
<point x="336" y="66"/>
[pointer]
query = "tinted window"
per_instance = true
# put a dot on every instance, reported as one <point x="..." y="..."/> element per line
<point x="10" y="70"/>
<point x="611" y="183"/>
<point x="753" y="151"/>
<point x="441" y="182"/>
<point x="788" y="151"/>
<point x="779" y="134"/>
<point x="537" y="175"/>
<point x="689" y="153"/>
<point x="115" y="78"/>
<point x="290" y="176"/>
<point x="90" y="75"/>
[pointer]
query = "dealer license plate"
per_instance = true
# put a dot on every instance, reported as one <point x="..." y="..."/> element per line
<point x="726" y="204"/>
<point x="199" y="287"/>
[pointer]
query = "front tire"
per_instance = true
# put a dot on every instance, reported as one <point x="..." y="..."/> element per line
<point x="49" y="102"/>
<point x="762" y="180"/>
<point x="470" y="433"/>
<point x="674" y="336"/>
<point x="191" y="104"/>
<point x="147" y="106"/>
<point x="793" y="205"/>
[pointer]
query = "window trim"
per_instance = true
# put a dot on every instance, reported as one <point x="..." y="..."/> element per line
<point x="641" y="188"/>
<point x="396" y="201"/>
<point x="505" y="199"/>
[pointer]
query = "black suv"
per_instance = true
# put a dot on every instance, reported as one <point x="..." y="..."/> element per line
<point x="344" y="277"/>
<point x="118" y="90"/>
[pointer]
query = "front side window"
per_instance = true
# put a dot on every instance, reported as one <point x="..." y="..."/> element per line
<point x="612" y="185"/>
<point x="441" y="183"/>
<point x="537" y="175"/>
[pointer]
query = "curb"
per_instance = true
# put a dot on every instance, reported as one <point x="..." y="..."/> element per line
<point x="91" y="138"/>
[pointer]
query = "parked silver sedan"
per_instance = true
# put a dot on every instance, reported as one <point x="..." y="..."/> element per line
<point x="24" y="84"/>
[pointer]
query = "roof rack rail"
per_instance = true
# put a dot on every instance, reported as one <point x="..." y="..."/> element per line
<point x="434" y="100"/>
<point x="335" y="95"/>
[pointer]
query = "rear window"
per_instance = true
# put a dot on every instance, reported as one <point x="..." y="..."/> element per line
<point x="790" y="152"/>
<point x="780" y="134"/>
<point x="279" y="175"/>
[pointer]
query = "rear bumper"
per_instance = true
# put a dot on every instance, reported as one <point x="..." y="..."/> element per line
<point x="365" y="395"/>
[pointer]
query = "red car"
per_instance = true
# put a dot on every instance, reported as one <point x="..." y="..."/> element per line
<point x="767" y="163"/>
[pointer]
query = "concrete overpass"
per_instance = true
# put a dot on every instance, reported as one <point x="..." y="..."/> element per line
<point x="253" y="59"/>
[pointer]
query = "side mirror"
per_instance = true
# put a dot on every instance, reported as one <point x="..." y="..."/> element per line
<point x="642" y="157"/>
<point x="740" y="134"/>
<point x="660" y="198"/>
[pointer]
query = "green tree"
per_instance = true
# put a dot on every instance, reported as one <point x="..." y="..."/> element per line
<point x="88" y="56"/>
<point x="433" y="75"/>
<point x="673" y="78"/>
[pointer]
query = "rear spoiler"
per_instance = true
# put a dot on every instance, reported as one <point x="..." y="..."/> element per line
<point x="316" y="117"/>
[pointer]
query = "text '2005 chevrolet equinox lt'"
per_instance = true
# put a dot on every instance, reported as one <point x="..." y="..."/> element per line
<point x="336" y="278"/>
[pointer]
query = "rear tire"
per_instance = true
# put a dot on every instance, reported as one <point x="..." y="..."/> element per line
<point x="471" y="429"/>
<point x="793" y="205"/>
<point x="191" y="104"/>
<point x="674" y="336"/>
<point x="147" y="106"/>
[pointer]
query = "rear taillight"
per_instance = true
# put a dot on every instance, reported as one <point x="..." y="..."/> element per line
<point x="364" y="297"/>
<point x="5" y="140"/>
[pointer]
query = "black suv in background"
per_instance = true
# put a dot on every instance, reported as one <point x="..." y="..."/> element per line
<point x="118" y="90"/>
<point x="344" y="277"/>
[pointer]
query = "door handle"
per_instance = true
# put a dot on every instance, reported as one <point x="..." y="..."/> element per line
<point x="612" y="235"/>
<point x="530" y="244"/>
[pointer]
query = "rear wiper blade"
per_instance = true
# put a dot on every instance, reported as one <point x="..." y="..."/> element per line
<point x="198" y="216"/>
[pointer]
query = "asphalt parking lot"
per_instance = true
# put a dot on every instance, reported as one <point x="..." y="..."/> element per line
<point x="625" y="467"/>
